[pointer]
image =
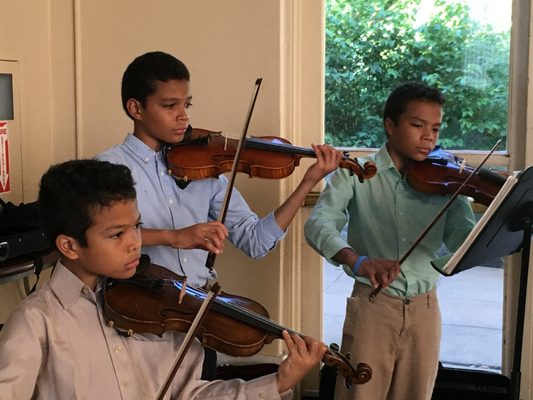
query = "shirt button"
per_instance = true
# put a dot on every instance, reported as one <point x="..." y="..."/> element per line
<point x="170" y="201"/>
<point x="403" y="239"/>
<point x="147" y="159"/>
<point x="406" y="301"/>
<point x="117" y="349"/>
<point x="184" y="259"/>
<point x="162" y="173"/>
<point x="261" y="395"/>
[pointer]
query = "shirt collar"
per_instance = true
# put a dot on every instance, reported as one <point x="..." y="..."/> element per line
<point x="68" y="287"/>
<point x="383" y="160"/>
<point x="139" y="148"/>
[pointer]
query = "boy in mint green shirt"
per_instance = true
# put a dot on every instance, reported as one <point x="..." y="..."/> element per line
<point x="398" y="332"/>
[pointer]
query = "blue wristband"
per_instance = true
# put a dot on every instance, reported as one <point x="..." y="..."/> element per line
<point x="358" y="263"/>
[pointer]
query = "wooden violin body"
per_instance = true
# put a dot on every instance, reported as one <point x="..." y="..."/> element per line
<point x="443" y="173"/>
<point x="234" y="325"/>
<point x="206" y="154"/>
<point x="149" y="303"/>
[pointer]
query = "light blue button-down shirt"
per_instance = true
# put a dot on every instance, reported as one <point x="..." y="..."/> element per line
<point x="163" y="205"/>
<point x="385" y="216"/>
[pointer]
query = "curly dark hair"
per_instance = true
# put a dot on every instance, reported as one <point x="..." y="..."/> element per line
<point x="406" y="92"/>
<point x="71" y="190"/>
<point x="139" y="79"/>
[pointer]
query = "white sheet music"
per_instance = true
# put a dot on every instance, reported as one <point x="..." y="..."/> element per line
<point x="448" y="263"/>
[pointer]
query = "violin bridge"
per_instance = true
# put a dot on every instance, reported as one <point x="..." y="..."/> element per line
<point x="462" y="165"/>
<point x="178" y="178"/>
<point x="183" y="291"/>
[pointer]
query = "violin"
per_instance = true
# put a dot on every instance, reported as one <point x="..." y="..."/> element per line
<point x="149" y="302"/>
<point x="443" y="173"/>
<point x="205" y="154"/>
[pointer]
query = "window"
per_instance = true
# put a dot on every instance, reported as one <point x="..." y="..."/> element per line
<point x="462" y="47"/>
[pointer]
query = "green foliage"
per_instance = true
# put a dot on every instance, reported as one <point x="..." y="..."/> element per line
<point x="372" y="45"/>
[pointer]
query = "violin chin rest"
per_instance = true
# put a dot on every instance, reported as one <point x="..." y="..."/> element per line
<point x="144" y="263"/>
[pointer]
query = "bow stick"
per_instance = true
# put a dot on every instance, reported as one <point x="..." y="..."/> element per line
<point x="210" y="262"/>
<point x="189" y="337"/>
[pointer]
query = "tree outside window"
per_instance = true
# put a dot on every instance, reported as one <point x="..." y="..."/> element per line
<point x="373" y="45"/>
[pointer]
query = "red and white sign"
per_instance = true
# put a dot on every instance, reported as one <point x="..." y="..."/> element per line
<point x="4" y="158"/>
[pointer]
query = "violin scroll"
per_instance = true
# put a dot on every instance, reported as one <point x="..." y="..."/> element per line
<point x="334" y="358"/>
<point x="367" y="171"/>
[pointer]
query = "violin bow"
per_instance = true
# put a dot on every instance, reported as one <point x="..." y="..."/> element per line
<point x="439" y="215"/>
<point x="210" y="262"/>
<point x="189" y="337"/>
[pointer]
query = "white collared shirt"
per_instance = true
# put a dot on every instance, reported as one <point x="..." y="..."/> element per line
<point x="57" y="345"/>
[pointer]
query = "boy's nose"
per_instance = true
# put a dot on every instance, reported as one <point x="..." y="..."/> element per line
<point x="184" y="115"/>
<point x="136" y="242"/>
<point x="428" y="135"/>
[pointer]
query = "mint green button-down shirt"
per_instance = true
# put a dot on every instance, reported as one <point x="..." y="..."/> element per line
<point x="385" y="216"/>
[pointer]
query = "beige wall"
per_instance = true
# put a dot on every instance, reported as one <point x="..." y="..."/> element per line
<point x="71" y="56"/>
<point x="45" y="85"/>
<point x="225" y="50"/>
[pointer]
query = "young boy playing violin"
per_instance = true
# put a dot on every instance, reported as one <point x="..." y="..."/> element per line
<point x="57" y="344"/>
<point x="180" y="222"/>
<point x="396" y="332"/>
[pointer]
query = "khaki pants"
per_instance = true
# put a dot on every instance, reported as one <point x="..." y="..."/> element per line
<point x="398" y="338"/>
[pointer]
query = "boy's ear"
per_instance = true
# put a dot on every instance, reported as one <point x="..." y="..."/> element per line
<point x="389" y="126"/>
<point x="134" y="108"/>
<point x="68" y="246"/>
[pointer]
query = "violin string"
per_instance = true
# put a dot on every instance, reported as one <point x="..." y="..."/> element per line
<point x="252" y="316"/>
<point x="239" y="312"/>
<point x="266" y="144"/>
<point x="242" y="314"/>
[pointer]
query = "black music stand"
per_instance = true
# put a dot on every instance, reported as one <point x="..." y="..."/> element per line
<point x="507" y="230"/>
